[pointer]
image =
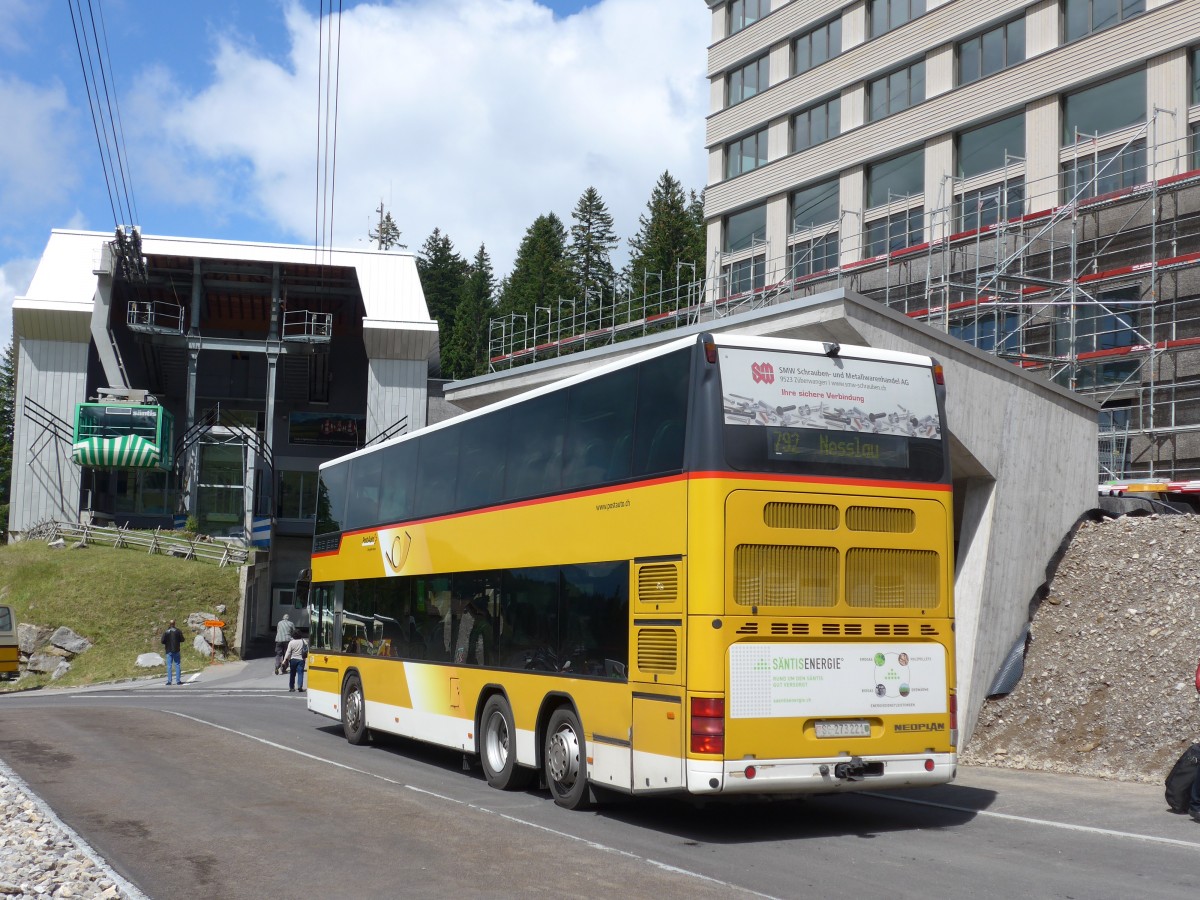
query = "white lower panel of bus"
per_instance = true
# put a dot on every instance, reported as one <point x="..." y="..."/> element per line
<point x="805" y="777"/>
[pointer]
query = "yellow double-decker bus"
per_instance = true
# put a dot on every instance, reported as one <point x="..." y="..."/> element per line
<point x="720" y="567"/>
<point x="9" y="663"/>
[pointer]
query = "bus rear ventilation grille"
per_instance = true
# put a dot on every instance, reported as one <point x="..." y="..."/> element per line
<point x="658" y="650"/>
<point x="882" y="629"/>
<point x="815" y="516"/>
<point x="882" y="519"/>
<point x="748" y="628"/>
<point x="658" y="583"/>
<point x="789" y="628"/>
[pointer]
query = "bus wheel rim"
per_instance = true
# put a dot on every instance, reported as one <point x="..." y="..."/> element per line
<point x="495" y="742"/>
<point x="564" y="757"/>
<point x="354" y="707"/>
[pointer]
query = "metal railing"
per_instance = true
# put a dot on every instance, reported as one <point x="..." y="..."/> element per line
<point x="158" y="541"/>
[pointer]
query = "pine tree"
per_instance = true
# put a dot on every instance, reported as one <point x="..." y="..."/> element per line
<point x="467" y="353"/>
<point x="387" y="235"/>
<point x="541" y="273"/>
<point x="592" y="243"/>
<point x="670" y="239"/>
<point x="442" y="272"/>
<point x="8" y="418"/>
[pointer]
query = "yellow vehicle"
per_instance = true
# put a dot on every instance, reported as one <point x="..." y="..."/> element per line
<point x="720" y="567"/>
<point x="8" y="644"/>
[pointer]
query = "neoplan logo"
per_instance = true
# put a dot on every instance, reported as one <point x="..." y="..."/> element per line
<point x="919" y="726"/>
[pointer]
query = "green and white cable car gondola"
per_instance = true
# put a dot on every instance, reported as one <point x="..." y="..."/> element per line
<point x="123" y="435"/>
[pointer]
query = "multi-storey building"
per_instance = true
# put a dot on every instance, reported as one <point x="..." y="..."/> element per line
<point x="1022" y="174"/>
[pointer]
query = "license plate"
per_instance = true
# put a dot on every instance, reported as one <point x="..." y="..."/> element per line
<point x="850" y="728"/>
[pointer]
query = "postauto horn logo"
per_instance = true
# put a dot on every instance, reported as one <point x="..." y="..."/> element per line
<point x="763" y="372"/>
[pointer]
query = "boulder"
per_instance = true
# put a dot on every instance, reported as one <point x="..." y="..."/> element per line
<point x="215" y="636"/>
<point x="221" y="609"/>
<point x="201" y="646"/>
<point x="30" y="638"/>
<point x="68" y="640"/>
<point x="60" y="670"/>
<point x="43" y="662"/>
<point x="150" y="661"/>
<point x="195" y="621"/>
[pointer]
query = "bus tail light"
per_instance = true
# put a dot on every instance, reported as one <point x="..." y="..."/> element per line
<point x="939" y="376"/>
<point x="710" y="349"/>
<point x="954" y="720"/>
<point x="708" y="725"/>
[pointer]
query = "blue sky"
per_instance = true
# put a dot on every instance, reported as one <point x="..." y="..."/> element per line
<point x="473" y="116"/>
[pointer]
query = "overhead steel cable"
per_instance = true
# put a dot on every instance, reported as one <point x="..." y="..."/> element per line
<point x="79" y="45"/>
<point x="122" y="151"/>
<point x="328" y="86"/>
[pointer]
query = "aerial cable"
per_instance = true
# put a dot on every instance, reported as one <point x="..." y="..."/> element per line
<point x="123" y="151"/>
<point x="91" y="107"/>
<point x="328" y="88"/>
<point x="337" y="75"/>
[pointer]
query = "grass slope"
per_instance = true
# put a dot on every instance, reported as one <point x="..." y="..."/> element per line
<point x="120" y="599"/>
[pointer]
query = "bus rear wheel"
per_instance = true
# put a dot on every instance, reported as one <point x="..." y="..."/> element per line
<point x="564" y="760"/>
<point x="498" y="746"/>
<point x="354" y="711"/>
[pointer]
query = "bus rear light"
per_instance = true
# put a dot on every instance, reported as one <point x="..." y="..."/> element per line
<point x="939" y="376"/>
<point x="708" y="725"/>
<point x="710" y="350"/>
<point x="954" y="712"/>
<point x="929" y="765"/>
<point x="751" y="771"/>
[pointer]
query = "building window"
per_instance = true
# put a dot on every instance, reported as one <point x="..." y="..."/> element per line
<point x="746" y="228"/>
<point x="744" y="13"/>
<point x="815" y="205"/>
<point x="888" y="14"/>
<point x="982" y="207"/>
<point x="896" y="231"/>
<point x="1083" y="17"/>
<point x="817" y="46"/>
<point x="989" y="147"/>
<point x="896" y="91"/>
<point x="1194" y="142"/>
<point x="995" y="49"/>
<point x="746" y="153"/>
<point x="297" y="495"/>
<point x="819" y="254"/>
<point x="1105" y="107"/>
<point x="994" y="332"/>
<point x="745" y="275"/>
<point x="817" y="124"/>
<point x="898" y="177"/>
<point x="743" y="83"/>
<point x="1194" y="67"/>
<point x="1104" y="172"/>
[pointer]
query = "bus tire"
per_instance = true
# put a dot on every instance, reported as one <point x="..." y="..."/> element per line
<point x="354" y="711"/>
<point x="564" y="760"/>
<point x="498" y="746"/>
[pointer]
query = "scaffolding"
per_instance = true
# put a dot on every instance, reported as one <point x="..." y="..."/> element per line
<point x="1090" y="277"/>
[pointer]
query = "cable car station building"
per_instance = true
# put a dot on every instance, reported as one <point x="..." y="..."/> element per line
<point x="162" y="379"/>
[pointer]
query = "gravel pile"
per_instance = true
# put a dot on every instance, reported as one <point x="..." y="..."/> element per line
<point x="1108" y="689"/>
<point x="40" y="857"/>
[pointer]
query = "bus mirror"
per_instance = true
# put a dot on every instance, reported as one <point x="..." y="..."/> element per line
<point x="303" y="583"/>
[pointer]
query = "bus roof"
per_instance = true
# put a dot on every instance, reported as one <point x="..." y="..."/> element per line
<point x="794" y="345"/>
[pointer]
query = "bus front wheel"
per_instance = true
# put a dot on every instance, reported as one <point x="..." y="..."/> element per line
<point x="564" y="760"/>
<point x="498" y="746"/>
<point x="354" y="711"/>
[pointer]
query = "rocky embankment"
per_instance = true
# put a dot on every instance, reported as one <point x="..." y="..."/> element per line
<point x="1108" y="688"/>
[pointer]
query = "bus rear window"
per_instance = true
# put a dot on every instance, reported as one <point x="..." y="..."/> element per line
<point x="820" y="415"/>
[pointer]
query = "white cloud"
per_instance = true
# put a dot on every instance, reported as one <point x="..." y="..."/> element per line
<point x="39" y="152"/>
<point x="15" y="17"/>
<point x="474" y="116"/>
<point x="15" y="276"/>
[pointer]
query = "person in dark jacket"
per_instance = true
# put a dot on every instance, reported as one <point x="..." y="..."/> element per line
<point x="172" y="641"/>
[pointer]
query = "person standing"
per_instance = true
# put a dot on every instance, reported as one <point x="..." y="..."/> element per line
<point x="294" y="658"/>
<point x="284" y="632"/>
<point x="172" y="641"/>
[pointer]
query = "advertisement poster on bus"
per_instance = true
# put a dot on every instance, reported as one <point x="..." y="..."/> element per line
<point x="800" y="680"/>
<point x="835" y="393"/>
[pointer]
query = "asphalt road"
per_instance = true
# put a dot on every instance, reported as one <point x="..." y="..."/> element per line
<point x="227" y="787"/>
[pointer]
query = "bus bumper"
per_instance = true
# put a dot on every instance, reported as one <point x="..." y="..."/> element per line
<point x="817" y="776"/>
